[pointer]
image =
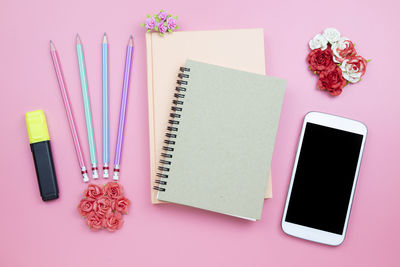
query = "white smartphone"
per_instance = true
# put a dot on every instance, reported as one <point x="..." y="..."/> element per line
<point x="324" y="178"/>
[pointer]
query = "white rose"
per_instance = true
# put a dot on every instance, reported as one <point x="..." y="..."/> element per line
<point x="318" y="41"/>
<point x="341" y="45"/>
<point x="332" y="35"/>
<point x="351" y="74"/>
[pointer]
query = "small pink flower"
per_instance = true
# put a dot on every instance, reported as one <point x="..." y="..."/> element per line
<point x="102" y="206"/>
<point x="162" y="16"/>
<point x="113" y="190"/>
<point x="93" y="191"/>
<point x="171" y="23"/>
<point x="121" y="204"/>
<point x="113" y="221"/>
<point x="94" y="221"/>
<point x="86" y="206"/>
<point x="162" y="28"/>
<point x="150" y="23"/>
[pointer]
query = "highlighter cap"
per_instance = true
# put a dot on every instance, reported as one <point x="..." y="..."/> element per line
<point x="37" y="126"/>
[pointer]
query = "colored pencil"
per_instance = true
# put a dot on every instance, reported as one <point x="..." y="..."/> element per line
<point x="105" y="108"/>
<point x="122" y="114"/>
<point x="86" y="104"/>
<point x="68" y="110"/>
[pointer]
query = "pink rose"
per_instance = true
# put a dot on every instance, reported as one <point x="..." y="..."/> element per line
<point x="150" y="23"/>
<point x="121" y="204"/>
<point x="162" y="15"/>
<point x="102" y="206"/>
<point x="354" y="68"/>
<point x="162" y="28"/>
<point x="171" y="23"/>
<point x="113" y="221"/>
<point x="86" y="206"/>
<point x="342" y="49"/>
<point x="113" y="190"/>
<point x="93" y="191"/>
<point x="94" y="221"/>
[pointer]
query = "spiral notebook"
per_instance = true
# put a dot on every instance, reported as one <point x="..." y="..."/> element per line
<point x="220" y="139"/>
<point x="241" y="49"/>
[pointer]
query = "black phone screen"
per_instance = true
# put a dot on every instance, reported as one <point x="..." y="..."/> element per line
<point x="324" y="178"/>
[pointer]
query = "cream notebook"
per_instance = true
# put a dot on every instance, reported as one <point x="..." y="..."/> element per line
<point x="237" y="49"/>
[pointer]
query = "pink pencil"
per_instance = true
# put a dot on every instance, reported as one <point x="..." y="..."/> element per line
<point x="68" y="109"/>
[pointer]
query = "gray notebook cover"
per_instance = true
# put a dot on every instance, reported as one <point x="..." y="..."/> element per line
<point x="224" y="140"/>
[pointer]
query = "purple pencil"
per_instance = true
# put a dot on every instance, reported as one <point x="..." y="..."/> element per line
<point x="122" y="114"/>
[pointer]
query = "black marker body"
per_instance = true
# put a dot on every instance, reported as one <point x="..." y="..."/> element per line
<point x="45" y="172"/>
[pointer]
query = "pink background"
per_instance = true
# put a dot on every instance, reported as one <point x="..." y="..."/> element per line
<point x="34" y="233"/>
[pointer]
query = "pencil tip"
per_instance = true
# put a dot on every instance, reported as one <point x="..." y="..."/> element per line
<point x="131" y="41"/>
<point x="52" y="47"/>
<point x="105" y="38"/>
<point x="78" y="39"/>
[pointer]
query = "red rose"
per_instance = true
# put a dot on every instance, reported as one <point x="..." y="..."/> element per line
<point x="113" y="221"/>
<point x="94" y="221"/>
<point x="86" y="206"/>
<point x="320" y="60"/>
<point x="121" y="204"/>
<point x="102" y="206"/>
<point x="332" y="80"/>
<point x="113" y="190"/>
<point x="93" y="191"/>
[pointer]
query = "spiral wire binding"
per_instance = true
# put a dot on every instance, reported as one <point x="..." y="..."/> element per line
<point x="172" y="129"/>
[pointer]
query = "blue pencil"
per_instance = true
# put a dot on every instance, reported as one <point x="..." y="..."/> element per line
<point x="105" y="109"/>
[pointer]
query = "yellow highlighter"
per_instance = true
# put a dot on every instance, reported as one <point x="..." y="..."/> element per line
<point x="39" y="140"/>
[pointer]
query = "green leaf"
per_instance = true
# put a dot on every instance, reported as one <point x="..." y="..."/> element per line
<point x="175" y="17"/>
<point x="176" y="27"/>
<point x="143" y="25"/>
<point x="148" y="30"/>
<point x="161" y="34"/>
<point x="156" y="28"/>
<point x="169" y="30"/>
<point x="165" y="23"/>
<point x="162" y="10"/>
<point x="315" y="72"/>
<point x="369" y="60"/>
<point x="148" y="16"/>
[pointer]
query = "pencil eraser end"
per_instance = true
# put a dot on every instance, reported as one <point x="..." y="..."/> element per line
<point x="95" y="174"/>
<point x="116" y="176"/>
<point x="85" y="177"/>
<point x="105" y="173"/>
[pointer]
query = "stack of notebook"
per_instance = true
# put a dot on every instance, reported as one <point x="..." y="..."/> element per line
<point x="213" y="117"/>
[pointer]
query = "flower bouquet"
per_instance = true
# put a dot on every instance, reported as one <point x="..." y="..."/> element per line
<point x="335" y="60"/>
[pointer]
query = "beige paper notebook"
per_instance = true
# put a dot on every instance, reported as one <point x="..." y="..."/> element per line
<point x="220" y="139"/>
<point x="238" y="49"/>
